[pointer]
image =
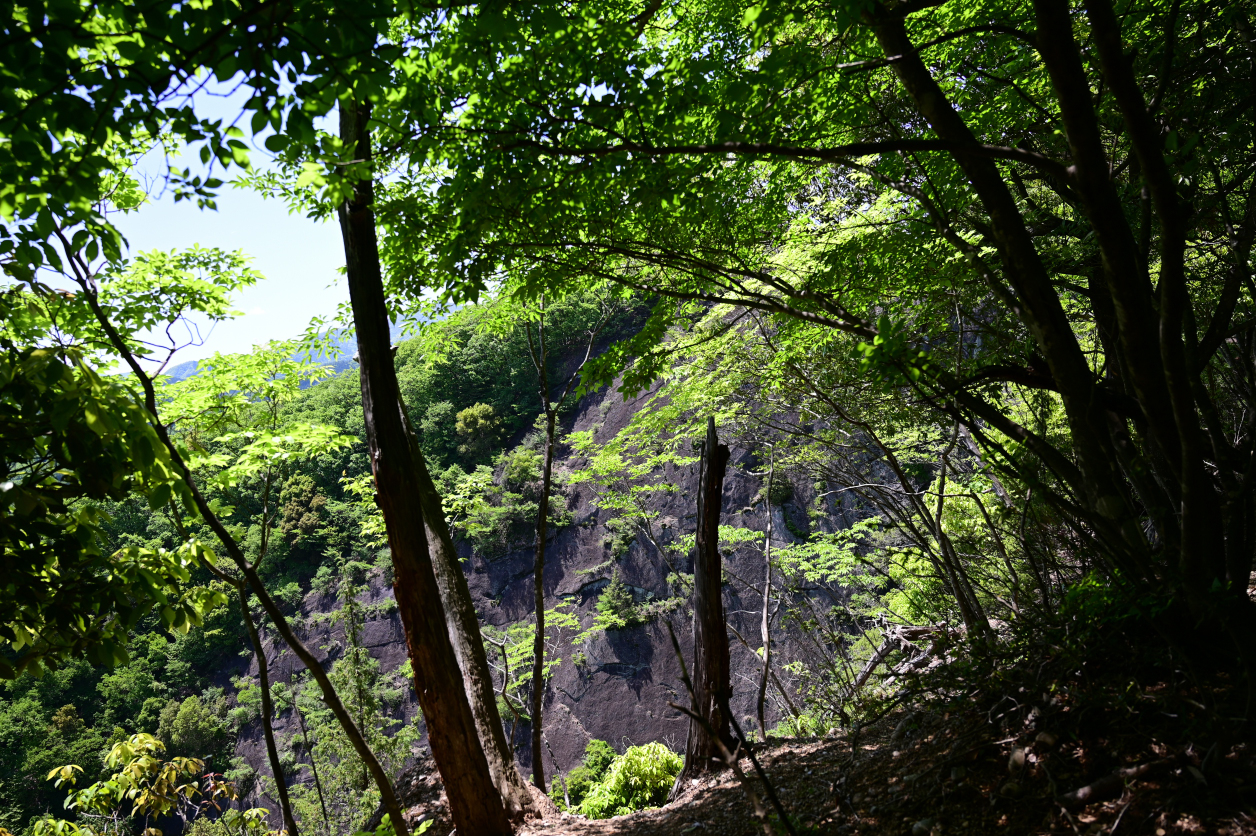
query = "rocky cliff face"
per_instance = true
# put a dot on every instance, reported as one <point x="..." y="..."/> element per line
<point x="621" y="689"/>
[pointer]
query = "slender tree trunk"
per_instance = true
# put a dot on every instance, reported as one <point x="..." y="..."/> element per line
<point x="318" y="783"/>
<point x="475" y="803"/>
<point x="780" y="688"/>
<point x="712" y="685"/>
<point x="764" y="626"/>
<point x="970" y="608"/>
<point x="268" y="715"/>
<point x="538" y="640"/>
<point x="387" y="794"/>
<point x="537" y="350"/>
<point x="349" y="616"/>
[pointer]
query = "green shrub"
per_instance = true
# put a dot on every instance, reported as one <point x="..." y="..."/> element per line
<point x="521" y="469"/>
<point x="384" y="565"/>
<point x="782" y="491"/>
<point x="615" y="607"/>
<point x="477" y="427"/>
<point x="303" y="510"/>
<point x="639" y="778"/>
<point x="598" y="756"/>
<point x="620" y="535"/>
<point x="248" y="703"/>
<point x="197" y="728"/>
<point x="289" y="596"/>
<point x="438" y="433"/>
<point x="324" y="580"/>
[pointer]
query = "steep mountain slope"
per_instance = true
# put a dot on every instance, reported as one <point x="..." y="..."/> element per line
<point x="617" y="684"/>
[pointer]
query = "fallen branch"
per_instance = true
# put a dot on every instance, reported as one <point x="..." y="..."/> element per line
<point x="731" y="759"/>
<point x="902" y="638"/>
<point x="1109" y="786"/>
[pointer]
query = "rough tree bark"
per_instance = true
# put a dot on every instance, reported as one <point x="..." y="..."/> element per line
<point x="474" y="801"/>
<point x="711" y="682"/>
<point x="464" y="633"/>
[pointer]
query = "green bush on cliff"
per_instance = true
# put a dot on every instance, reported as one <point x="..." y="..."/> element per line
<point x="615" y="607"/>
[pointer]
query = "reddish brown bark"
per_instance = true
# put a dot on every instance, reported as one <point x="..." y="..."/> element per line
<point x="464" y="633"/>
<point x="474" y="801"/>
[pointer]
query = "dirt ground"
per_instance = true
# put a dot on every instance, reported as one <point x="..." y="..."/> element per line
<point x="924" y="775"/>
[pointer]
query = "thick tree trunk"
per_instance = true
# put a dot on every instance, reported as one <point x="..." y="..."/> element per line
<point x="474" y="802"/>
<point x="538" y="639"/>
<point x="468" y="643"/>
<point x="464" y="633"/>
<point x="711" y="683"/>
<point x="268" y="717"/>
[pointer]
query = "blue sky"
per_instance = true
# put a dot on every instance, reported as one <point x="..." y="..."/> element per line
<point x="299" y="258"/>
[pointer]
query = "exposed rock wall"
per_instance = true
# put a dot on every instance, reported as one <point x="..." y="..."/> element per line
<point x="620" y="693"/>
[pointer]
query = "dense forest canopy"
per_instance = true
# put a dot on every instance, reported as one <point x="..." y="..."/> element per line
<point x="970" y="284"/>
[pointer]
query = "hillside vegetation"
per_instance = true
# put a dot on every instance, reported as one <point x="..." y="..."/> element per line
<point x="778" y="372"/>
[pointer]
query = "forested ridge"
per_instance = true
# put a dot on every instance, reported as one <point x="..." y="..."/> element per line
<point x="777" y="378"/>
<point x="190" y="691"/>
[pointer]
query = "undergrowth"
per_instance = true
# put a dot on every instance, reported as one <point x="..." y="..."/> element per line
<point x="606" y="785"/>
<point x="1114" y="693"/>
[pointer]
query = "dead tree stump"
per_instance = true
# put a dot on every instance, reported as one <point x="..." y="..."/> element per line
<point x="711" y="683"/>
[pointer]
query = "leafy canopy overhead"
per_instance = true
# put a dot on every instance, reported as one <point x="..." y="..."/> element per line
<point x="981" y="194"/>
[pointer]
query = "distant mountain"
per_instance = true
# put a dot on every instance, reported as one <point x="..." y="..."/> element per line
<point x="338" y="358"/>
<point x="182" y="371"/>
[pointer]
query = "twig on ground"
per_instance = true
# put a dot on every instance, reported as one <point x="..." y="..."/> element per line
<point x="731" y="758"/>
<point x="1109" y="786"/>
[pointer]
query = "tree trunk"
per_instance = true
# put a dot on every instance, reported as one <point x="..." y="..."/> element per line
<point x="463" y="624"/>
<point x="965" y="596"/>
<point x="538" y="640"/>
<point x="711" y="683"/>
<point x="765" y="623"/>
<point x="474" y="801"/>
<point x="464" y="633"/>
<point x="268" y="716"/>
